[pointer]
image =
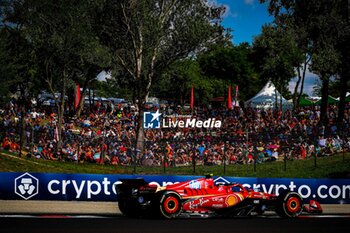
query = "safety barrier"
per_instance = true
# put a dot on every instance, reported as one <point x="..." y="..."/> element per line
<point x="96" y="187"/>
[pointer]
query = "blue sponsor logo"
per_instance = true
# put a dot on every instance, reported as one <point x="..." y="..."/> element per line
<point x="26" y="186"/>
<point x="194" y="184"/>
<point x="151" y="120"/>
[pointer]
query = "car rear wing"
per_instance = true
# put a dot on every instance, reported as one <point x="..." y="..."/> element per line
<point x="132" y="182"/>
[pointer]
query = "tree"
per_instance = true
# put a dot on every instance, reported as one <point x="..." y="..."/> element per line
<point x="326" y="25"/>
<point x="278" y="55"/>
<point x="301" y="44"/>
<point x="147" y="36"/>
<point x="175" y="83"/>
<point x="61" y="41"/>
<point x="17" y="70"/>
<point x="230" y="65"/>
<point x="343" y="46"/>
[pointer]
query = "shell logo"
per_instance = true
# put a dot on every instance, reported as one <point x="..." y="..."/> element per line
<point x="231" y="200"/>
<point x="234" y="199"/>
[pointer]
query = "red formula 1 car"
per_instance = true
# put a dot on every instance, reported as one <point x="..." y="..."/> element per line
<point x="202" y="197"/>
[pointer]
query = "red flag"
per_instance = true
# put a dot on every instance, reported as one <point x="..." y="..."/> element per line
<point x="77" y="96"/>
<point x="192" y="98"/>
<point x="229" y="99"/>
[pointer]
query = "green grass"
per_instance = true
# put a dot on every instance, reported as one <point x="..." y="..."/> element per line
<point x="327" y="167"/>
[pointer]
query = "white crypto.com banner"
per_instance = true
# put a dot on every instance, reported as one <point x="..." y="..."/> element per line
<point x="92" y="187"/>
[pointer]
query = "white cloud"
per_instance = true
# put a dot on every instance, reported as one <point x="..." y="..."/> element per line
<point x="311" y="80"/>
<point x="228" y="13"/>
<point x="249" y="2"/>
<point x="103" y="75"/>
<point x="212" y="2"/>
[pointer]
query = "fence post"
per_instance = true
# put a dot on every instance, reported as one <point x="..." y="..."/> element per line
<point x="315" y="157"/>
<point x="255" y="156"/>
<point x="21" y="135"/>
<point x="283" y="148"/>
<point x="225" y="149"/>
<point x="102" y="154"/>
<point x="164" y="158"/>
<point x="247" y="136"/>
<point x="135" y="154"/>
<point x="285" y="161"/>
<point x="32" y="141"/>
<point x="343" y="149"/>
<point x="343" y="141"/>
<point x="78" y="151"/>
<point x="194" y="160"/>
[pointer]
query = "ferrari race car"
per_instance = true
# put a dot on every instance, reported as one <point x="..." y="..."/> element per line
<point x="202" y="197"/>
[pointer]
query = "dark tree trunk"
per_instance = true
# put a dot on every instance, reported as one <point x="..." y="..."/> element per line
<point x="82" y="98"/>
<point x="324" y="102"/>
<point x="295" y="94"/>
<point x="22" y="128"/>
<point x="281" y="92"/>
<point x="276" y="99"/>
<point x="341" y="107"/>
<point x="140" y="134"/>
<point x="302" y="82"/>
<point x="345" y="73"/>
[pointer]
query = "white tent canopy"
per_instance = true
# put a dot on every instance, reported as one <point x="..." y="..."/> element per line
<point x="266" y="98"/>
<point x="347" y="94"/>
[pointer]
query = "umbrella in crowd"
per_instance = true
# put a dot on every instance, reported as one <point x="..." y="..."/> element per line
<point x="268" y="152"/>
<point x="273" y="146"/>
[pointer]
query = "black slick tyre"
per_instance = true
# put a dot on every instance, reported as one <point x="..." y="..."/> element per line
<point x="170" y="205"/>
<point x="127" y="209"/>
<point x="289" y="205"/>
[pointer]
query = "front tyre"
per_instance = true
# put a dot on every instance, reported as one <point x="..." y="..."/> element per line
<point x="170" y="205"/>
<point x="289" y="205"/>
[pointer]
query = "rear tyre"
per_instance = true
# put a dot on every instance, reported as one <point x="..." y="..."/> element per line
<point x="170" y="205"/>
<point x="289" y="205"/>
<point x="127" y="209"/>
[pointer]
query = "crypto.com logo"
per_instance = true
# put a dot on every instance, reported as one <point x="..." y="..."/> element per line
<point x="26" y="186"/>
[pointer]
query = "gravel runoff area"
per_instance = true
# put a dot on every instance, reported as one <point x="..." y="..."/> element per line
<point x="98" y="208"/>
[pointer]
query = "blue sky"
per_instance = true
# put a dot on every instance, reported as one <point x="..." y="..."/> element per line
<point x="246" y="18"/>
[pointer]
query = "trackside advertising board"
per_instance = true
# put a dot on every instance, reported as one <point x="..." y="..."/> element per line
<point x="92" y="187"/>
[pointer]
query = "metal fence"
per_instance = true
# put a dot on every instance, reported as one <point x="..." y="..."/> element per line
<point x="208" y="149"/>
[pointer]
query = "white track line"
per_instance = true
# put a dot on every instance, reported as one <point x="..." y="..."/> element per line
<point x="52" y="216"/>
<point x="97" y="216"/>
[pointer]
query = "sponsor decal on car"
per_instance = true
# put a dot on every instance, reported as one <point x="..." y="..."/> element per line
<point x="194" y="184"/>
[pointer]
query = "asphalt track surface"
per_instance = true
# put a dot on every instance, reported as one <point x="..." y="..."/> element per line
<point x="97" y="224"/>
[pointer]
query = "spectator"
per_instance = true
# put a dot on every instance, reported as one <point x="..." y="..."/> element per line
<point x="81" y="138"/>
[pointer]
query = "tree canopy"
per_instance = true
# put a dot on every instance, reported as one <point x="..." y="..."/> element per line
<point x="163" y="47"/>
<point x="322" y="29"/>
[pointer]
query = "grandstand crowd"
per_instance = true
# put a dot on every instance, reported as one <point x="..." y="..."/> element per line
<point x="107" y="135"/>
